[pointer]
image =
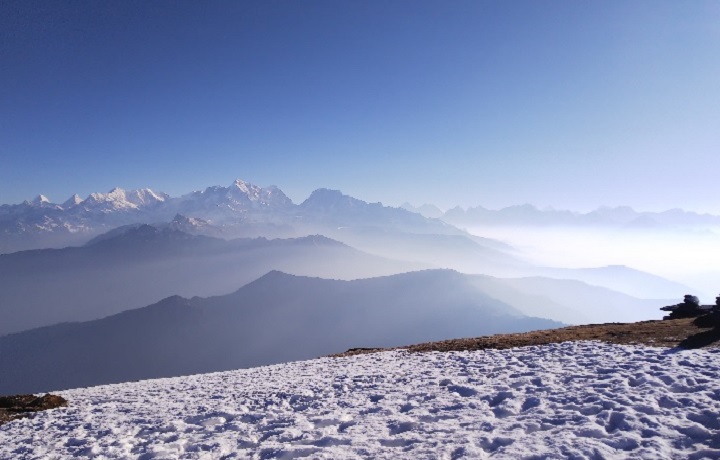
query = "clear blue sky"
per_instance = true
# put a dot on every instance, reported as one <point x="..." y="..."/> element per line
<point x="565" y="103"/>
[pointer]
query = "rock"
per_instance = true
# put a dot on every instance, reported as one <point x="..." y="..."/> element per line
<point x="16" y="401"/>
<point x="689" y="308"/>
<point x="18" y="406"/>
<point x="715" y="315"/>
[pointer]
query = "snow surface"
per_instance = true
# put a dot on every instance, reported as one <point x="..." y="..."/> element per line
<point x="577" y="400"/>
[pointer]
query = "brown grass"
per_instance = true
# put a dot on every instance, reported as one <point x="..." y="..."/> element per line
<point x="684" y="333"/>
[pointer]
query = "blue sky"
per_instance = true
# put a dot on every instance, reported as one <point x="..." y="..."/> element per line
<point x="563" y="103"/>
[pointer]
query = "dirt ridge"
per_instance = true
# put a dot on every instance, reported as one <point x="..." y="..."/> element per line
<point x="681" y="333"/>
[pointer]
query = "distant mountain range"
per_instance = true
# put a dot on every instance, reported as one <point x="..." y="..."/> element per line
<point x="239" y="210"/>
<point x="136" y="265"/>
<point x="276" y="318"/>
<point x="569" y="300"/>
<point x="427" y="210"/>
<point x="248" y="211"/>
<point x="622" y="279"/>
<point x="529" y="215"/>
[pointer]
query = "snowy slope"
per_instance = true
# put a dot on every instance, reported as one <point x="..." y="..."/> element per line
<point x="570" y="400"/>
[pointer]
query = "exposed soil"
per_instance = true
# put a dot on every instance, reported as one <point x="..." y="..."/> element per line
<point x="683" y="333"/>
<point x="19" y="406"/>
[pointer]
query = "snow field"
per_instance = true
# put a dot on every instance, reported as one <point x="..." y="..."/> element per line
<point x="581" y="400"/>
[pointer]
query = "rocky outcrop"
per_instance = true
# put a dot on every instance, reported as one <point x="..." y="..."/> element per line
<point x="18" y="406"/>
<point x="689" y="308"/>
<point x="715" y="315"/>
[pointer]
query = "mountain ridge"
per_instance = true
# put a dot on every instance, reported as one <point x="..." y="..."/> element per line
<point x="240" y="209"/>
<point x="603" y="216"/>
<point x="137" y="265"/>
<point x="276" y="318"/>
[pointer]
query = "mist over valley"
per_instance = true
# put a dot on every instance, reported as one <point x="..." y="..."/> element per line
<point x="195" y="294"/>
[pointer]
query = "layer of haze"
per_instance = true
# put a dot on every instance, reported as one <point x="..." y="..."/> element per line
<point x="690" y="257"/>
<point x="570" y="104"/>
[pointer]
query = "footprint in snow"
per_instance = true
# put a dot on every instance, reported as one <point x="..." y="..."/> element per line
<point x="492" y="445"/>
<point x="396" y="427"/>
<point x="463" y="391"/>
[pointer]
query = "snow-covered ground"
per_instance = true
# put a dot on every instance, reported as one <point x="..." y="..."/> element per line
<point x="583" y="400"/>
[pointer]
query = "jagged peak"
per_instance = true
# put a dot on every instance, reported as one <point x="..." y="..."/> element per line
<point x="112" y="195"/>
<point x="40" y="201"/>
<point x="116" y="194"/>
<point x="72" y="201"/>
<point x="243" y="186"/>
<point x="127" y="199"/>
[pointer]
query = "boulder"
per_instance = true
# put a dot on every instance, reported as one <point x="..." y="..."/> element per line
<point x="689" y="308"/>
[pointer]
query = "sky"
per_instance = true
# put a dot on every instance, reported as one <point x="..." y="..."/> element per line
<point x="557" y="103"/>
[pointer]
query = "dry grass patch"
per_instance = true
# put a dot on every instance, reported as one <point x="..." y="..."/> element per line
<point x="684" y="333"/>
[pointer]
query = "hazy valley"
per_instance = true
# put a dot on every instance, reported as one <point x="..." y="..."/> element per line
<point x="194" y="293"/>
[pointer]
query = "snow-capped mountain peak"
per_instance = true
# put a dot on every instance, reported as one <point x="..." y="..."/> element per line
<point x="239" y="209"/>
<point x="119" y="199"/>
<point x="188" y="224"/>
<point x="72" y="201"/>
<point x="241" y="192"/>
<point x="41" y="199"/>
<point x="115" y="199"/>
<point x="145" y="197"/>
<point x="243" y="186"/>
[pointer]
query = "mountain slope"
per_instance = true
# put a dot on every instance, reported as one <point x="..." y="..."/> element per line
<point x="623" y="279"/>
<point x="570" y="301"/>
<point x="569" y="400"/>
<point x="138" y="265"/>
<point x="276" y="318"/>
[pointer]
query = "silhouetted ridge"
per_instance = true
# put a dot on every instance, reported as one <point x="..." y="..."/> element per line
<point x="137" y="265"/>
<point x="143" y="234"/>
<point x="314" y="240"/>
<point x="278" y="317"/>
<point x="276" y="281"/>
<point x="331" y="199"/>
